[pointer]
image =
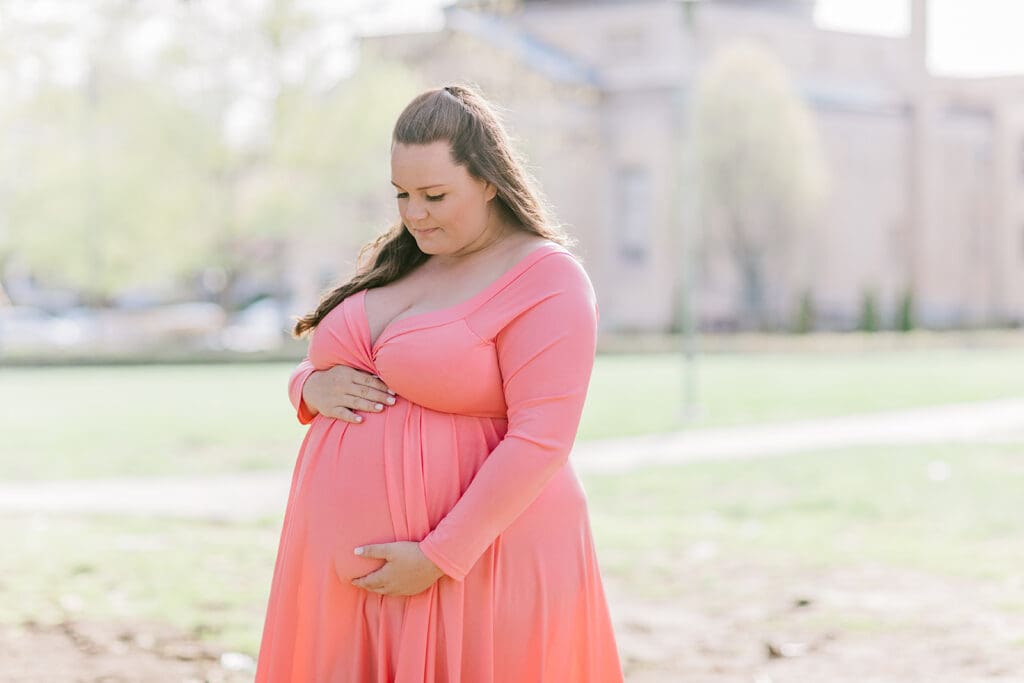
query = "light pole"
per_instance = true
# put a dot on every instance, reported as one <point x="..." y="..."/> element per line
<point x="688" y="229"/>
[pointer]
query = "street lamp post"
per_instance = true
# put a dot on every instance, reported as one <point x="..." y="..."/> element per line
<point x="688" y="221"/>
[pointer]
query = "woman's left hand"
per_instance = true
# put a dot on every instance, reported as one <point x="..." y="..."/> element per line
<point x="407" y="572"/>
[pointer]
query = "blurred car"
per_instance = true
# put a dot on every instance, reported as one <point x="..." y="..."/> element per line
<point x="261" y="326"/>
<point x="176" y="326"/>
<point x="27" y="328"/>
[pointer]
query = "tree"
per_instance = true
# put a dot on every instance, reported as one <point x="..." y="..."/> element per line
<point x="109" y="190"/>
<point x="316" y="129"/>
<point x="760" y="172"/>
<point x="205" y="156"/>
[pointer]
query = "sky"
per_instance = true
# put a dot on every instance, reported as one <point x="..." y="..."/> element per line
<point x="967" y="37"/>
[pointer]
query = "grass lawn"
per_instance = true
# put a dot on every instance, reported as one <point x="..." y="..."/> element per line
<point x="949" y="511"/>
<point x="643" y="394"/>
<point x="133" y="420"/>
<point x="205" y="578"/>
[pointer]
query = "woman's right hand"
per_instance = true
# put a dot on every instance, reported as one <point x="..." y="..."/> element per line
<point x="341" y="390"/>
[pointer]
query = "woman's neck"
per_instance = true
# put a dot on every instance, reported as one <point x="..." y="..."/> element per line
<point x="489" y="242"/>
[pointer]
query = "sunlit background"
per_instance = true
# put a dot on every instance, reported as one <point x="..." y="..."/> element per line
<point x="803" y="445"/>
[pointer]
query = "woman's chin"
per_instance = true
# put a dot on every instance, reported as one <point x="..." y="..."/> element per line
<point x="430" y="247"/>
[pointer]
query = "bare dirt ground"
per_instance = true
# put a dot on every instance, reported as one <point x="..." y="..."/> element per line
<point x="102" y="652"/>
<point x="863" y="625"/>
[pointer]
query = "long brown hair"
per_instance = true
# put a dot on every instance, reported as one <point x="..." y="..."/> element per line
<point x="461" y="116"/>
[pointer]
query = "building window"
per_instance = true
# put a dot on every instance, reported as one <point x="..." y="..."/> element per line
<point x="633" y="224"/>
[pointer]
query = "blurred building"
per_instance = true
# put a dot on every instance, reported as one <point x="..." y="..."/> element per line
<point x="926" y="172"/>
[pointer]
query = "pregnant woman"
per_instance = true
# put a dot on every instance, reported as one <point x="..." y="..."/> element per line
<point x="435" y="529"/>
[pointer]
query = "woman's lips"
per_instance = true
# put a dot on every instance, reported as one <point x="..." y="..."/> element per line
<point x="424" y="232"/>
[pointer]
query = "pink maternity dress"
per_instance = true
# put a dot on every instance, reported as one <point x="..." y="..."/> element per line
<point x="472" y="463"/>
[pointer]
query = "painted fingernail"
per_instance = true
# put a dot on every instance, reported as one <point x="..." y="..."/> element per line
<point x="358" y="551"/>
<point x="359" y="418"/>
<point x="391" y="400"/>
<point x="377" y="406"/>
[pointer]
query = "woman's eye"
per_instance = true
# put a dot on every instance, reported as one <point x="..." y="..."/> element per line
<point x="430" y="197"/>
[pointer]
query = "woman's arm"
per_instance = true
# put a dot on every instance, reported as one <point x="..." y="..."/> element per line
<point x="296" y="383"/>
<point x="546" y="356"/>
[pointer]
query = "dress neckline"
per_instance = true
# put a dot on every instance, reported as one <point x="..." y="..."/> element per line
<point x="432" y="317"/>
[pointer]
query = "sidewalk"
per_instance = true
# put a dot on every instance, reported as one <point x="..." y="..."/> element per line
<point x="960" y="422"/>
<point x="252" y="495"/>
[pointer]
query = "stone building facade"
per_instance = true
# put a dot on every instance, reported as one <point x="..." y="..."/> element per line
<point x="926" y="173"/>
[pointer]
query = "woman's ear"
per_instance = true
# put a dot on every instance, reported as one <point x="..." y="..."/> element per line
<point x="490" y="192"/>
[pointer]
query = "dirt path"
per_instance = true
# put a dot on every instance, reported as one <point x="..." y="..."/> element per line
<point x="973" y="422"/>
<point x="250" y="495"/>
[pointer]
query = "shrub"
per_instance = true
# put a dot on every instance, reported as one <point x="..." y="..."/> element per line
<point x="869" y="312"/>
<point x="805" y="316"/>
<point x="905" y="314"/>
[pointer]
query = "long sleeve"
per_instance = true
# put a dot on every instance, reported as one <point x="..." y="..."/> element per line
<point x="546" y="356"/>
<point x="295" y="384"/>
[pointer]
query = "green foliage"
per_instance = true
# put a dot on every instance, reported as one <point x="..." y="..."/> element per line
<point x="806" y="313"/>
<point x="869" y="312"/>
<point x="134" y="177"/>
<point x="110" y="191"/>
<point x="335" y="146"/>
<point x="905" y="317"/>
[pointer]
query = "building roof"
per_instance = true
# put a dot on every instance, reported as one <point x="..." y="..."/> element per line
<point x="542" y="57"/>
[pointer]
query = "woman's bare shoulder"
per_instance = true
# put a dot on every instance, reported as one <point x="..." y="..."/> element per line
<point x="526" y="243"/>
<point x="544" y="271"/>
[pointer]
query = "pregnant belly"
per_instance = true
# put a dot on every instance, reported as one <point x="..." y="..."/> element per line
<point x="391" y="478"/>
<point x="345" y="500"/>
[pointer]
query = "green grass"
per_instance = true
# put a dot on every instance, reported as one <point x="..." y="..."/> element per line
<point x="825" y="509"/>
<point x="783" y="516"/>
<point x="643" y="394"/>
<point x="209" y="579"/>
<point x="134" y="420"/>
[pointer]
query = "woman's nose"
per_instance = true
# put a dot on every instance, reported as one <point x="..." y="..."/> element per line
<point x="416" y="210"/>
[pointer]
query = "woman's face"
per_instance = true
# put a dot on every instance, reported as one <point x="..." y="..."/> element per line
<point x="444" y="207"/>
